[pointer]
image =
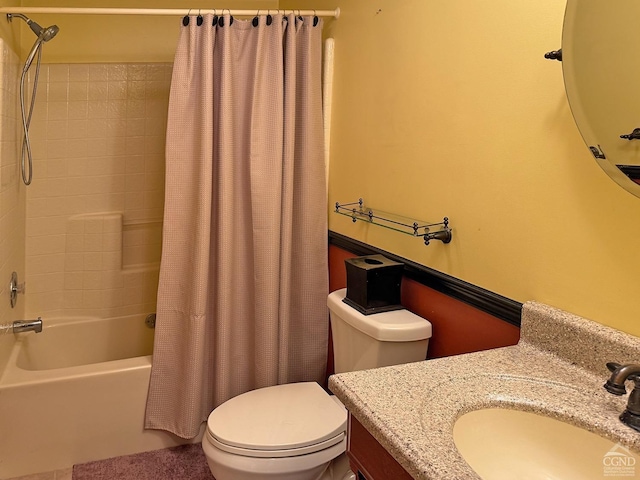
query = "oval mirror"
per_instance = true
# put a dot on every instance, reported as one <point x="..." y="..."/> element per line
<point x="601" y="68"/>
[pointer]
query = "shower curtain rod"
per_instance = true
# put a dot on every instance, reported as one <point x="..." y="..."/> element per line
<point x="165" y="11"/>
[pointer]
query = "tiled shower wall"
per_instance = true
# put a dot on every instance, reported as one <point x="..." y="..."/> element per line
<point x="94" y="209"/>
<point x="12" y="196"/>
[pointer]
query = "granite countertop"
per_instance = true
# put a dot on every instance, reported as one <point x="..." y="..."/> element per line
<point x="558" y="369"/>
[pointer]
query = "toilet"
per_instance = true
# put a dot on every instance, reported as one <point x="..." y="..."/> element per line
<point x="298" y="431"/>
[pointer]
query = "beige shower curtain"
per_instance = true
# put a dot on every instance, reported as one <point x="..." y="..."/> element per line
<point x="243" y="277"/>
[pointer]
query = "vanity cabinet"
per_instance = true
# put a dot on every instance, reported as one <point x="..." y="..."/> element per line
<point x="368" y="459"/>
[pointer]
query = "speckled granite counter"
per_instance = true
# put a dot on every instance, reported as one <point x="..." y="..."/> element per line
<point x="558" y="368"/>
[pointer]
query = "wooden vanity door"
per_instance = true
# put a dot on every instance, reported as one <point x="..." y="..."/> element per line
<point x="368" y="459"/>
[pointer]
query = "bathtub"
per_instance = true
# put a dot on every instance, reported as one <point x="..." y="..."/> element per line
<point x="75" y="393"/>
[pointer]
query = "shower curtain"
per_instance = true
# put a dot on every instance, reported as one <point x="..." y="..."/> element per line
<point x="243" y="276"/>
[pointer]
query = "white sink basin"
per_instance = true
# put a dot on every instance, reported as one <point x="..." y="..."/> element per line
<point x="506" y="444"/>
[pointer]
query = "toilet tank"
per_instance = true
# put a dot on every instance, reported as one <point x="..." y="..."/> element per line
<point x="379" y="340"/>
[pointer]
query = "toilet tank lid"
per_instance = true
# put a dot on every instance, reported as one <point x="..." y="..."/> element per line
<point x="394" y="326"/>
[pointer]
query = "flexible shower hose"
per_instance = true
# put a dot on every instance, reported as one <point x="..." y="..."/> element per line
<point x="26" y="155"/>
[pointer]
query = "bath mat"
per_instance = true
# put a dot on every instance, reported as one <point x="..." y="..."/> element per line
<point x="183" y="462"/>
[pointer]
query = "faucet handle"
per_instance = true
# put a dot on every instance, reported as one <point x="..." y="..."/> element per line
<point x="15" y="288"/>
<point x="612" y="366"/>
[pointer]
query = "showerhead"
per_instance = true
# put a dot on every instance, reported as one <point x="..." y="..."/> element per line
<point x="44" y="34"/>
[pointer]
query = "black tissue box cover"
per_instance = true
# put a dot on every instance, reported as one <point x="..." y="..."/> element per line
<point x="373" y="284"/>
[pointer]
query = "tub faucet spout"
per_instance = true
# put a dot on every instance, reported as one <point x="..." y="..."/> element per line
<point x="27" y="326"/>
<point x="615" y="385"/>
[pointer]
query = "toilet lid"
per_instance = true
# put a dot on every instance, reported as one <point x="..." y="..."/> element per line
<point x="291" y="417"/>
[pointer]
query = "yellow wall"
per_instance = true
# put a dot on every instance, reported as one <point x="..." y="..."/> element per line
<point x="9" y="34"/>
<point x="445" y="108"/>
<point x="92" y="38"/>
<point x="449" y="108"/>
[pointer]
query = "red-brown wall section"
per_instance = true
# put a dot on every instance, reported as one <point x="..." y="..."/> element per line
<point x="457" y="327"/>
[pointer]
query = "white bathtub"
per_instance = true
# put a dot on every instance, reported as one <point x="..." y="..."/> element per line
<point x="75" y="393"/>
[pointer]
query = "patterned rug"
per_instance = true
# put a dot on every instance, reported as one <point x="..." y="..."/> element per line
<point x="184" y="462"/>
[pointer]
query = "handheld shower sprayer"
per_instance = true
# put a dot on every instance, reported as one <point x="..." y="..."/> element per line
<point x="44" y="35"/>
<point x="37" y="29"/>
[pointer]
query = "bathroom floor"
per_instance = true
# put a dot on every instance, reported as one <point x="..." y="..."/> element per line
<point x="162" y="464"/>
<point x="337" y="471"/>
<point x="64" y="474"/>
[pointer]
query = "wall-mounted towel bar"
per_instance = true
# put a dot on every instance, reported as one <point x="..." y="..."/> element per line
<point x="358" y="211"/>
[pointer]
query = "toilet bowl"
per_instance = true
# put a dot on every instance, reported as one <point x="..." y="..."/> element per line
<point x="298" y="431"/>
<point x="286" y="432"/>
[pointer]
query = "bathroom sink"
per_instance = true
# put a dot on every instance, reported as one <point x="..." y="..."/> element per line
<point x="500" y="443"/>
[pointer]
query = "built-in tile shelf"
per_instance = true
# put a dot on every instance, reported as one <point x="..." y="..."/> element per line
<point x="141" y="244"/>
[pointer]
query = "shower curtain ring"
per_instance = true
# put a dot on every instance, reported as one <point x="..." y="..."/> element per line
<point x="256" y="20"/>
<point x="199" y="19"/>
<point x="221" y="19"/>
<point x="230" y="16"/>
<point x="315" y="19"/>
<point x="185" y="19"/>
<point x="215" y="17"/>
<point x="269" y="17"/>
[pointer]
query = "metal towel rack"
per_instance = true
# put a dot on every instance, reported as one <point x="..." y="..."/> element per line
<point x="357" y="211"/>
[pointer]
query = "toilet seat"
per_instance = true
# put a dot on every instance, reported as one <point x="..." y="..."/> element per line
<point x="276" y="422"/>
<point x="316" y="447"/>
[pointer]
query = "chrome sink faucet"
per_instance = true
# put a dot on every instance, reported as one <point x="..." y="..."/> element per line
<point x="615" y="385"/>
<point x="27" y="326"/>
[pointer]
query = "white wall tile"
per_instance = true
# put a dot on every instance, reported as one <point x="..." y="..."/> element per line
<point x="79" y="91"/>
<point x="98" y="73"/>
<point x="77" y="128"/>
<point x="51" y="263"/>
<point x="57" y="110"/>
<point x="12" y="198"/>
<point x="78" y="110"/>
<point x="117" y="72"/>
<point x="97" y="90"/>
<point x="97" y="109"/>
<point x="73" y="280"/>
<point x="94" y="211"/>
<point x="92" y="280"/>
<point x="56" y="129"/>
<point x="79" y="73"/>
<point x="58" y="92"/>
<point x="59" y="72"/>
